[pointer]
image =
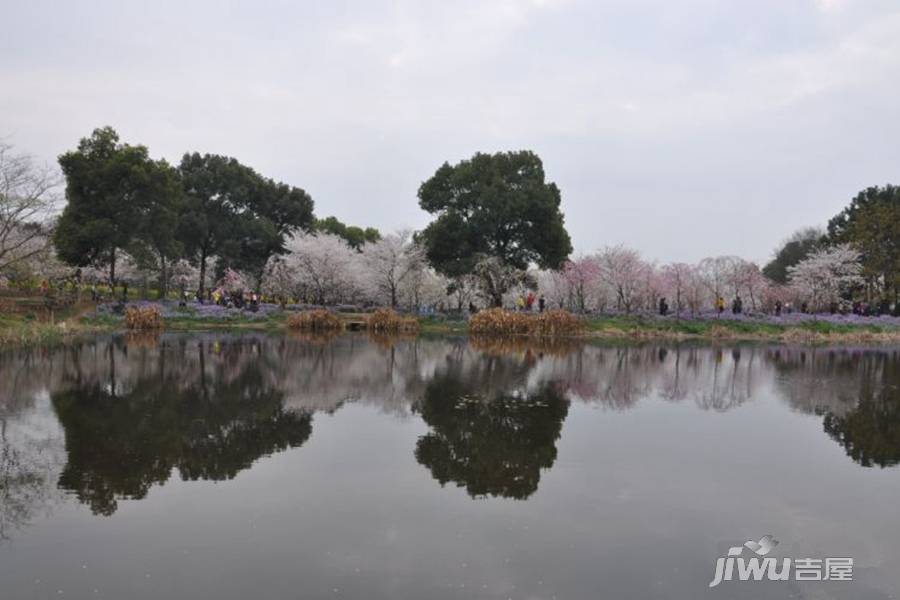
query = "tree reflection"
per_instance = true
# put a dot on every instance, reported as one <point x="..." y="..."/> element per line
<point x="492" y="445"/>
<point x="121" y="443"/>
<point x="28" y="462"/>
<point x="133" y="410"/>
<point x="870" y="432"/>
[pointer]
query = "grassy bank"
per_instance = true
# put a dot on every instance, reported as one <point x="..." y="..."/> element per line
<point x="638" y="327"/>
<point x="16" y="330"/>
<point x="808" y="331"/>
<point x="19" y="330"/>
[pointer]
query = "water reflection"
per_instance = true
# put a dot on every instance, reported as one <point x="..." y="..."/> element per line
<point x="206" y="410"/>
<point x="29" y="462"/>
<point x="134" y="411"/>
<point x="492" y="444"/>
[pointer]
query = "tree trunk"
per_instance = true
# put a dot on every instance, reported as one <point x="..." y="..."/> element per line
<point x="112" y="268"/>
<point x="202" y="272"/>
<point x="164" y="278"/>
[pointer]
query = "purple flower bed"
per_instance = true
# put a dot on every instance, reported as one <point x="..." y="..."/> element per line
<point x="194" y="310"/>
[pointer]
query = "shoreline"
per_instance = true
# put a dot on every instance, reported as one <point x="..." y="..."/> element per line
<point x="22" y="332"/>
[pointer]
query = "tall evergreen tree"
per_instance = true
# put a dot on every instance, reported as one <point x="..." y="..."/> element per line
<point x="111" y="188"/>
<point x="217" y="190"/>
<point x="872" y="224"/>
<point x="493" y="206"/>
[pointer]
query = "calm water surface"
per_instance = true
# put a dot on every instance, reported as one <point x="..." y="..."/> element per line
<point x="248" y="466"/>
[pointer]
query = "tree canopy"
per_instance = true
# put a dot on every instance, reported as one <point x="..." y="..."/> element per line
<point x="799" y="246"/>
<point x="872" y="224"/>
<point x="274" y="212"/>
<point x="353" y="235"/>
<point x="493" y="205"/>
<point x="235" y="214"/>
<point x="113" y="191"/>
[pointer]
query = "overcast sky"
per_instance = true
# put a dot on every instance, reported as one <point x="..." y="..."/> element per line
<point x="683" y="129"/>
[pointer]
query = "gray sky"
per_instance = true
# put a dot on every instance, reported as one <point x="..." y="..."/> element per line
<point x="683" y="129"/>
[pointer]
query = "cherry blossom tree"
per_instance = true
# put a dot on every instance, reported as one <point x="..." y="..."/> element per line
<point x="463" y="290"/>
<point x="773" y="293"/>
<point x="716" y="272"/>
<point x="651" y="287"/>
<point x="676" y="279"/>
<point x="695" y="291"/>
<point x="183" y="273"/>
<point x="280" y="279"/>
<point x="826" y="275"/>
<point x="582" y="278"/>
<point x="747" y="279"/>
<point x="232" y="282"/>
<point x="328" y="270"/>
<point x="388" y="263"/>
<point x="623" y="270"/>
<point x="554" y="286"/>
<point x="424" y="286"/>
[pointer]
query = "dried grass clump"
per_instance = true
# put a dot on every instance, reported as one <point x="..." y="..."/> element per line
<point x="315" y="320"/>
<point x="143" y="318"/>
<point x="497" y="321"/>
<point x="556" y="323"/>
<point x="386" y="320"/>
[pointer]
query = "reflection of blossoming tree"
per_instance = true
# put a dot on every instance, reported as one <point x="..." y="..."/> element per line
<point x="209" y="405"/>
<point x="28" y="462"/>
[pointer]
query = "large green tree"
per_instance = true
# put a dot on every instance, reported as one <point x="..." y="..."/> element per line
<point x="217" y="190"/>
<point x="493" y="206"/>
<point x="233" y="213"/>
<point x="112" y="188"/>
<point x="274" y="212"/>
<point x="872" y="224"/>
<point x="355" y="236"/>
<point x="799" y="246"/>
<point x="157" y="244"/>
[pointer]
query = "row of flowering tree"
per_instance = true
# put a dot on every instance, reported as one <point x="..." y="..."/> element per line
<point x="618" y="279"/>
<point x="497" y="234"/>
<point x="324" y="269"/>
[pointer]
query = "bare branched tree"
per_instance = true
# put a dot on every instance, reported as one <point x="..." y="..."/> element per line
<point x="28" y="194"/>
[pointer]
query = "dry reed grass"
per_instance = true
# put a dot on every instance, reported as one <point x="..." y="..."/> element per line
<point x="315" y="320"/>
<point x="143" y="318"/>
<point x="553" y="323"/>
<point x="385" y="320"/>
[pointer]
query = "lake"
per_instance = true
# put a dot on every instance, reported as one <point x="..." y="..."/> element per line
<point x="234" y="466"/>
